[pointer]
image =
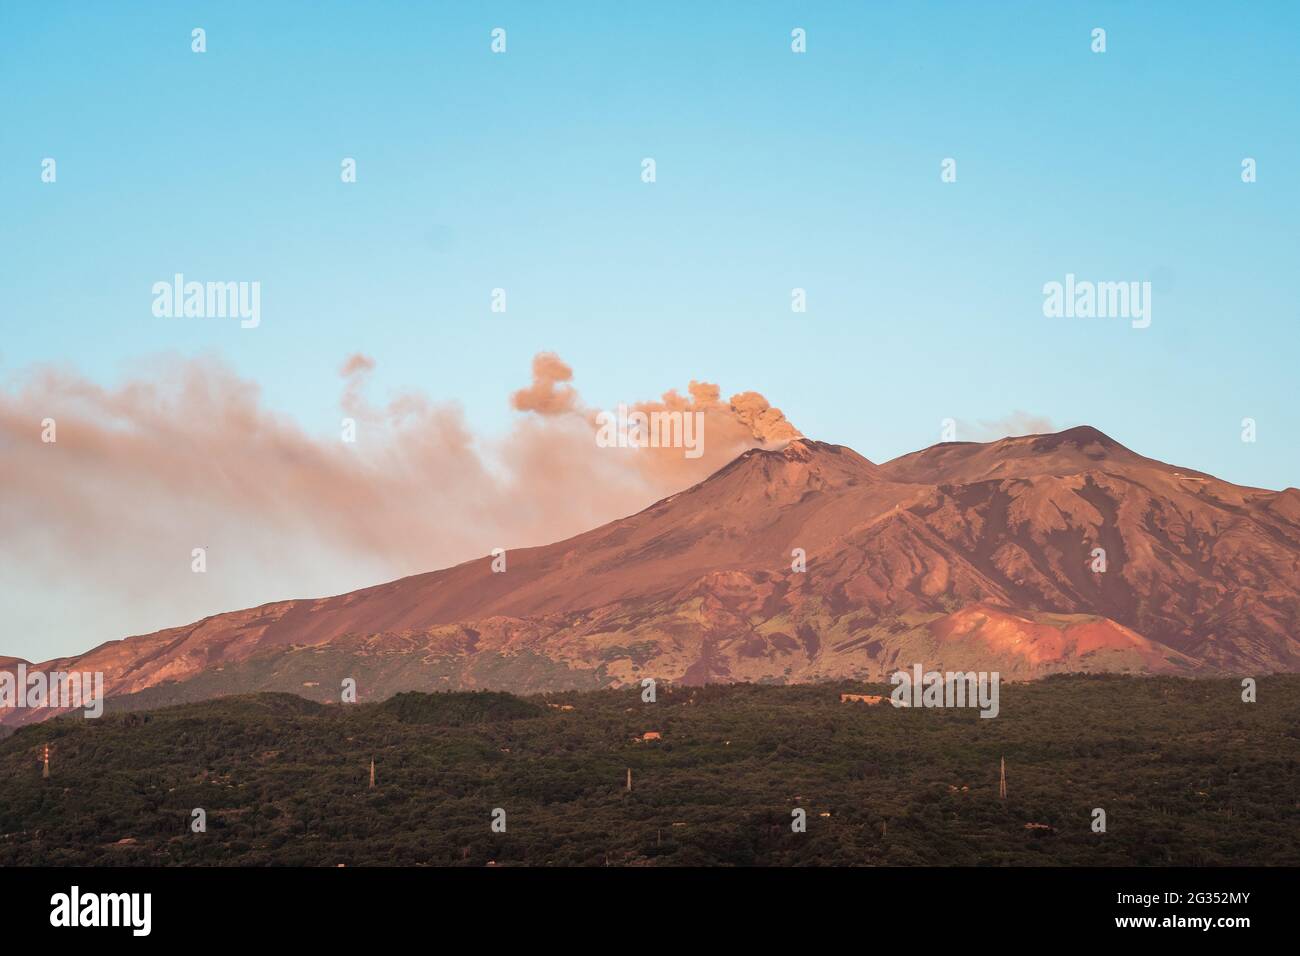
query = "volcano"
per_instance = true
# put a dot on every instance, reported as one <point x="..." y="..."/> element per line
<point x="1029" y="555"/>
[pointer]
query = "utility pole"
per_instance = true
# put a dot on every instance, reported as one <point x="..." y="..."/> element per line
<point x="1002" y="784"/>
<point x="629" y="779"/>
<point x="372" y="773"/>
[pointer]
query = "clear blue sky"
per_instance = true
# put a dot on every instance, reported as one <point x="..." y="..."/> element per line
<point x="775" y="170"/>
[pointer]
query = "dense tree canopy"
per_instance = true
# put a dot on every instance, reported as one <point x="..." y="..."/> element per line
<point x="1185" y="771"/>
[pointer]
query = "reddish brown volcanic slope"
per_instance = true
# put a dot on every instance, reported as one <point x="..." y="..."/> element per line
<point x="959" y="556"/>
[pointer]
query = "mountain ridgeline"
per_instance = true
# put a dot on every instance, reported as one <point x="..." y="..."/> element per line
<point x="1034" y="555"/>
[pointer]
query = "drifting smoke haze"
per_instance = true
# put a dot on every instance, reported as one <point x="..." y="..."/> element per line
<point x="188" y="456"/>
<point x="1015" y="424"/>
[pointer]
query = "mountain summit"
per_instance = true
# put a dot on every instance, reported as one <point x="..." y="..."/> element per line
<point x="1028" y="555"/>
<point x="1068" y="452"/>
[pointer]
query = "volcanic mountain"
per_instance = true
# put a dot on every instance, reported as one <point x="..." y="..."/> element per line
<point x="1031" y="555"/>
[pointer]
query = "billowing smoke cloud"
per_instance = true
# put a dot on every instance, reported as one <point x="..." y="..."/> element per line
<point x="546" y="396"/>
<point x="101" y="525"/>
<point x="746" y="421"/>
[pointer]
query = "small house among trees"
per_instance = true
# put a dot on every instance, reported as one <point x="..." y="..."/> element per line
<point x="869" y="699"/>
